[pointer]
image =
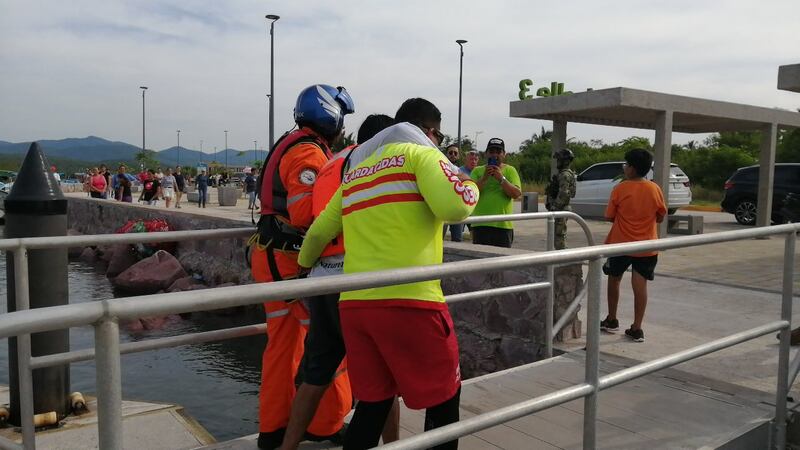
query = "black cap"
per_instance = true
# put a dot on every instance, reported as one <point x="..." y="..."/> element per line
<point x="496" y="143"/>
<point x="35" y="190"/>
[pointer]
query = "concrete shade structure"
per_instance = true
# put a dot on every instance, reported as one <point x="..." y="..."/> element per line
<point x="664" y="113"/>
<point x="789" y="78"/>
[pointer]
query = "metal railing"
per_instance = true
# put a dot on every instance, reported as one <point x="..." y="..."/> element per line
<point x="104" y="316"/>
<point x="107" y="329"/>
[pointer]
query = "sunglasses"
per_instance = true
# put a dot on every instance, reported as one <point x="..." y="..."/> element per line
<point x="438" y="135"/>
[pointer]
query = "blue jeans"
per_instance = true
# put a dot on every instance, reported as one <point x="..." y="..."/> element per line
<point x="251" y="199"/>
<point x="201" y="199"/>
<point x="455" y="231"/>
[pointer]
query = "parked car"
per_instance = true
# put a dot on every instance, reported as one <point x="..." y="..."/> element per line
<point x="741" y="192"/>
<point x="594" y="186"/>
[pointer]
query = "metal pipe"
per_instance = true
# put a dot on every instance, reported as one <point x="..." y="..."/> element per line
<point x="151" y="344"/>
<point x="534" y="216"/>
<point x="25" y="372"/>
<point x="454" y="298"/>
<point x="646" y="368"/>
<point x="109" y="387"/>
<point x="59" y="317"/>
<point x="8" y="444"/>
<point x="782" y="389"/>
<point x="567" y="315"/>
<point x="551" y="290"/>
<point x="460" y="43"/>
<point x="794" y="369"/>
<point x="592" y="366"/>
<point x="499" y="416"/>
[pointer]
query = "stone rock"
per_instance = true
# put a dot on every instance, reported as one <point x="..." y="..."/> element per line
<point x="105" y="252"/>
<point x="88" y="255"/>
<point x="151" y="275"/>
<point x="122" y="258"/>
<point x="183" y="284"/>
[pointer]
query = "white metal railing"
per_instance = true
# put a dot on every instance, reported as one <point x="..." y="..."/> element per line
<point x="104" y="315"/>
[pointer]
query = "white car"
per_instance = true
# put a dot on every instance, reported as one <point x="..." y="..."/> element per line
<point x="594" y="185"/>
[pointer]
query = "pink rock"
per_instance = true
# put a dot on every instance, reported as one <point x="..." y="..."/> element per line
<point x="183" y="284"/>
<point x="151" y="275"/>
<point x="123" y="258"/>
<point x="88" y="255"/>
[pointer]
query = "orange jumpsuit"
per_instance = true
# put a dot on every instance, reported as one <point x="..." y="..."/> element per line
<point x="287" y="322"/>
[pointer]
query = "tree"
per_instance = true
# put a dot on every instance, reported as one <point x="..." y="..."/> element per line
<point x="341" y="144"/>
<point x="146" y="159"/>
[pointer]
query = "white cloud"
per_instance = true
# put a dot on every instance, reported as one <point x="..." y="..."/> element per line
<point x="73" y="68"/>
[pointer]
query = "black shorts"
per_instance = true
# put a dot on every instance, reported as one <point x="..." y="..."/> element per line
<point x="498" y="237"/>
<point x="643" y="265"/>
<point x="324" y="343"/>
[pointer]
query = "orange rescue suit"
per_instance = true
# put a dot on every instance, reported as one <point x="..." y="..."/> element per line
<point x="287" y="322"/>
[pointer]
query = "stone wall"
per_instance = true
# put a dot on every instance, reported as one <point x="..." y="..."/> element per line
<point x="494" y="333"/>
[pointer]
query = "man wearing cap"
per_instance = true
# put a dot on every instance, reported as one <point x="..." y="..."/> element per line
<point x="499" y="185"/>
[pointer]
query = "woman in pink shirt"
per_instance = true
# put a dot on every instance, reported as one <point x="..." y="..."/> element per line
<point x="97" y="184"/>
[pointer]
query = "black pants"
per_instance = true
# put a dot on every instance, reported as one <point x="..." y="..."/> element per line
<point x="498" y="237"/>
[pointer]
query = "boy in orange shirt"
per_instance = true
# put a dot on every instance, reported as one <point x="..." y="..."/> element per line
<point x="636" y="207"/>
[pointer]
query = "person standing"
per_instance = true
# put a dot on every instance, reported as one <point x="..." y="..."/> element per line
<point x="472" y="162"/>
<point x="500" y="186"/>
<point x="456" y="229"/>
<point x="180" y="186"/>
<point x="201" y="181"/>
<point x="559" y="192"/>
<point x="168" y="187"/>
<point x="97" y="184"/>
<point x="107" y="176"/>
<point x="122" y="183"/>
<point x="396" y="192"/>
<point x="250" y="189"/>
<point x="636" y="207"/>
<point x="55" y="174"/>
<point x="287" y="181"/>
<point x="151" y="188"/>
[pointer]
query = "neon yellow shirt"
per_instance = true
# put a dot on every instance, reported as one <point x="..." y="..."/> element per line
<point x="392" y="204"/>
<point x="493" y="199"/>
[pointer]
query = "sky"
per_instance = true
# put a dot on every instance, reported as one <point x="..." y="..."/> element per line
<point x="73" y="69"/>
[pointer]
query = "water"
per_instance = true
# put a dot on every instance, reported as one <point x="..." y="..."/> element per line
<point x="216" y="382"/>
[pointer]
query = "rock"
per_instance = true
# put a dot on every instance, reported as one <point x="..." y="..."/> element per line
<point x="105" y="252"/>
<point x="123" y="257"/>
<point x="88" y="255"/>
<point x="183" y="284"/>
<point x="151" y="275"/>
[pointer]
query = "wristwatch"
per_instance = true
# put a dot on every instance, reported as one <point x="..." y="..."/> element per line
<point x="503" y="180"/>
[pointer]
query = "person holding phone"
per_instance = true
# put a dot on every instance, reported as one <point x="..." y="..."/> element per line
<point x="499" y="185"/>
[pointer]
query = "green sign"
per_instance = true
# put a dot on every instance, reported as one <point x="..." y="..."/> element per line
<point x="555" y="88"/>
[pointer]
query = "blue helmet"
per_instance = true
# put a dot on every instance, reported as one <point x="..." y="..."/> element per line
<point x="322" y="108"/>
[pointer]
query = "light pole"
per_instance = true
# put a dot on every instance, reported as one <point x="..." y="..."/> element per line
<point x="178" y="164"/>
<point x="460" y="43"/>
<point x="273" y="18"/>
<point x="202" y="155"/>
<point x="143" y="88"/>
<point x="226" y="151"/>
<point x="255" y="150"/>
<point x="476" y="140"/>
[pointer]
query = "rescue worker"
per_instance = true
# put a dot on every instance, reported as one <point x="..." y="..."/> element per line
<point x="287" y="179"/>
<point x="323" y="359"/>
<point x="559" y="192"/>
<point x="397" y="191"/>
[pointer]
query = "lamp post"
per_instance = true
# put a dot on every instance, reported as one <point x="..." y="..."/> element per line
<point x="460" y="43"/>
<point x="202" y="155"/>
<point x="178" y="164"/>
<point x="272" y="18"/>
<point x="143" y="88"/>
<point x="226" y="151"/>
<point x="255" y="150"/>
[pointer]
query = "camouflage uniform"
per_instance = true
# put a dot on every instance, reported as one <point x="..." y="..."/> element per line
<point x="559" y="192"/>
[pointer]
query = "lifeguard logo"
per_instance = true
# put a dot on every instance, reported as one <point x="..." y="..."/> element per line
<point x="385" y="163"/>
<point x="466" y="192"/>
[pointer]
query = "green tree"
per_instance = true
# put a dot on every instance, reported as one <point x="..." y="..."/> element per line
<point x="146" y="159"/>
<point x="341" y="144"/>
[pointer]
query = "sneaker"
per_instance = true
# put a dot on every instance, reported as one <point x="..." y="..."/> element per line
<point x="271" y="440"/>
<point x="636" y="335"/>
<point x="335" y="438"/>
<point x="609" y="324"/>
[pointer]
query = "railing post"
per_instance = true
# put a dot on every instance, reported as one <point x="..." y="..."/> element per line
<point x="782" y="389"/>
<point x="21" y="296"/>
<point x="109" y="383"/>
<point x="592" y="351"/>
<point x="549" y="306"/>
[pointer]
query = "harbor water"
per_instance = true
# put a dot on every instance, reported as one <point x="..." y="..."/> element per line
<point x="216" y="382"/>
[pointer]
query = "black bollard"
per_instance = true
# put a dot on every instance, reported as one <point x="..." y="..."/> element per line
<point x="36" y="207"/>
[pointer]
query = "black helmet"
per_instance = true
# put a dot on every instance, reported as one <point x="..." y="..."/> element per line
<point x="564" y="154"/>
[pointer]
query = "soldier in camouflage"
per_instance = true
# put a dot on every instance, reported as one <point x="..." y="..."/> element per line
<point x="559" y="192"/>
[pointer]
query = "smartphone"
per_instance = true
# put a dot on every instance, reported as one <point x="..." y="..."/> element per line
<point x="492" y="161"/>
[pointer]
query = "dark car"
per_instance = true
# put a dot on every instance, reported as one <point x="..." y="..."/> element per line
<point x="741" y="192"/>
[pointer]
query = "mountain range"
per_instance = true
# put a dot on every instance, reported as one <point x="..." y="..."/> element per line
<point x="93" y="149"/>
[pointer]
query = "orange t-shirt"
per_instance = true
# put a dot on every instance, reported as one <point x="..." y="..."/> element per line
<point x="634" y="206"/>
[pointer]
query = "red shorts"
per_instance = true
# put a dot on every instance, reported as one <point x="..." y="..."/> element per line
<point x="406" y="351"/>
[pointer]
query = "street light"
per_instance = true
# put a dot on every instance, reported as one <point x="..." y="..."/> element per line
<point x="178" y="164"/>
<point x="273" y="18"/>
<point x="143" y="88"/>
<point x="226" y="151"/>
<point x="460" y="43"/>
